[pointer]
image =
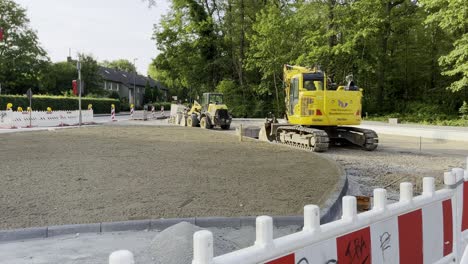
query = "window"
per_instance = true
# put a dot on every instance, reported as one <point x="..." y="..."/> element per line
<point x="295" y="88"/>
<point x="313" y="81"/>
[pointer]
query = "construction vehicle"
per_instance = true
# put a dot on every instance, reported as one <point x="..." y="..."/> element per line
<point x="210" y="113"/>
<point x="319" y="113"/>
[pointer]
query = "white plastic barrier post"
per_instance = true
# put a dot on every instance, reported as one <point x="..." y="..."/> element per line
<point x="349" y="208"/>
<point x="121" y="257"/>
<point x="380" y="199"/>
<point x="264" y="231"/>
<point x="406" y="192"/>
<point x="202" y="247"/>
<point x="311" y="218"/>
<point x="428" y="186"/>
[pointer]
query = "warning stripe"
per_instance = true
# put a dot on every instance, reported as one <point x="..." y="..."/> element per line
<point x="354" y="247"/>
<point x="410" y="237"/>
<point x="448" y="226"/>
<point x="465" y="207"/>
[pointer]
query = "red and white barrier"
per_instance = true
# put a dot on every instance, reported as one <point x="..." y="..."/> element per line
<point x="9" y="119"/>
<point x="113" y="114"/>
<point x="429" y="228"/>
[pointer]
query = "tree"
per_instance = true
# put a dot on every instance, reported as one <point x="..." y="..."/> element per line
<point x="57" y="78"/>
<point x="21" y="57"/>
<point x="452" y="16"/>
<point x="121" y="65"/>
<point x="92" y="80"/>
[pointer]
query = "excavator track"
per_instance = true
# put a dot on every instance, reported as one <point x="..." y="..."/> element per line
<point x="365" y="138"/>
<point x="303" y="137"/>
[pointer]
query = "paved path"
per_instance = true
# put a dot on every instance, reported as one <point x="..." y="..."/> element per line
<point x="95" y="249"/>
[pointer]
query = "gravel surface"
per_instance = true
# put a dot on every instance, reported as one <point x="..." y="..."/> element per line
<point x="398" y="159"/>
<point x="118" y="173"/>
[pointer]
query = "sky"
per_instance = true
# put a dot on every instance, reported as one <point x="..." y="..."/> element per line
<point x="107" y="29"/>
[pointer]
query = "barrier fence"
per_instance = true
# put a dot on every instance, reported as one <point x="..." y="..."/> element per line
<point x="10" y="119"/>
<point x="429" y="228"/>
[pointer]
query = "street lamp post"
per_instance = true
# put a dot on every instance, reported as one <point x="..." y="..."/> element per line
<point x="78" y="67"/>
<point x="134" y="81"/>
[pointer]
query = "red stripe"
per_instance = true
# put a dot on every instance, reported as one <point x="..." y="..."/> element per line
<point x="465" y="207"/>
<point x="288" y="259"/>
<point x="448" y="227"/>
<point x="354" y="247"/>
<point x="410" y="237"/>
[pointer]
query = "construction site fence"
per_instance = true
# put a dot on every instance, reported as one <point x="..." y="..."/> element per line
<point x="429" y="228"/>
<point x="10" y="119"/>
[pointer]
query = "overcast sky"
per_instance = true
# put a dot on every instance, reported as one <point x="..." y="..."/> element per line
<point x="108" y="29"/>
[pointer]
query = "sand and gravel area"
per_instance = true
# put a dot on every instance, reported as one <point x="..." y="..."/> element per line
<point x="118" y="173"/>
<point x="399" y="159"/>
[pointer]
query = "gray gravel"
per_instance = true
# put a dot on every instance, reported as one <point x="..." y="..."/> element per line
<point x="398" y="159"/>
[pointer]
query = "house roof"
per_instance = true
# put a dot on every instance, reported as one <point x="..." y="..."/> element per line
<point x="128" y="78"/>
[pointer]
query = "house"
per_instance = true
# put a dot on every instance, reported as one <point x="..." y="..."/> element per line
<point x="129" y="85"/>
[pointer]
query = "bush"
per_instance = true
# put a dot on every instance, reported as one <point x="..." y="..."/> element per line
<point x="41" y="102"/>
<point x="114" y="95"/>
<point x="464" y="110"/>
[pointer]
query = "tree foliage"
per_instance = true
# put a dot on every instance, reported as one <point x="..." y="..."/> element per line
<point x="400" y="51"/>
<point x="22" y="59"/>
<point x="121" y="65"/>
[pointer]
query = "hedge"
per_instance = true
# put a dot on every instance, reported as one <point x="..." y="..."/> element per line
<point x="41" y="102"/>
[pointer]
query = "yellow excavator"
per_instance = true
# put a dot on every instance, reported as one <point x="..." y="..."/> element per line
<point x="319" y="113"/>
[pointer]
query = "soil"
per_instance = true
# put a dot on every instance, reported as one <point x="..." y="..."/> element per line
<point x="118" y="173"/>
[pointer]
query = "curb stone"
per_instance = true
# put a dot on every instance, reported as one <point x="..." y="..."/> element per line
<point x="21" y="234"/>
<point x="161" y="224"/>
<point x="220" y="222"/>
<point x="73" y="229"/>
<point x="136" y="225"/>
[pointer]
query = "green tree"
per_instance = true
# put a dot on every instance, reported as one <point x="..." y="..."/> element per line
<point x="21" y="57"/>
<point x="121" y="65"/>
<point x="452" y="16"/>
<point x="92" y="80"/>
<point x="57" y="78"/>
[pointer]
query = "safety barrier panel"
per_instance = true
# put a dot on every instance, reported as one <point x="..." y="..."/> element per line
<point x="10" y="119"/>
<point x="146" y="115"/>
<point x="429" y="228"/>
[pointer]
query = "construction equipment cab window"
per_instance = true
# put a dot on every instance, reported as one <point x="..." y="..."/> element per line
<point x="209" y="98"/>
<point x="313" y="81"/>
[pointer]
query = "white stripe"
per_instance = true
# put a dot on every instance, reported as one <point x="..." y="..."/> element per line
<point x="384" y="239"/>
<point x="433" y="232"/>
<point x="323" y="252"/>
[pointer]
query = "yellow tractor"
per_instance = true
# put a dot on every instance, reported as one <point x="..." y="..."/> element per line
<point x="211" y="112"/>
<point x="319" y="113"/>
